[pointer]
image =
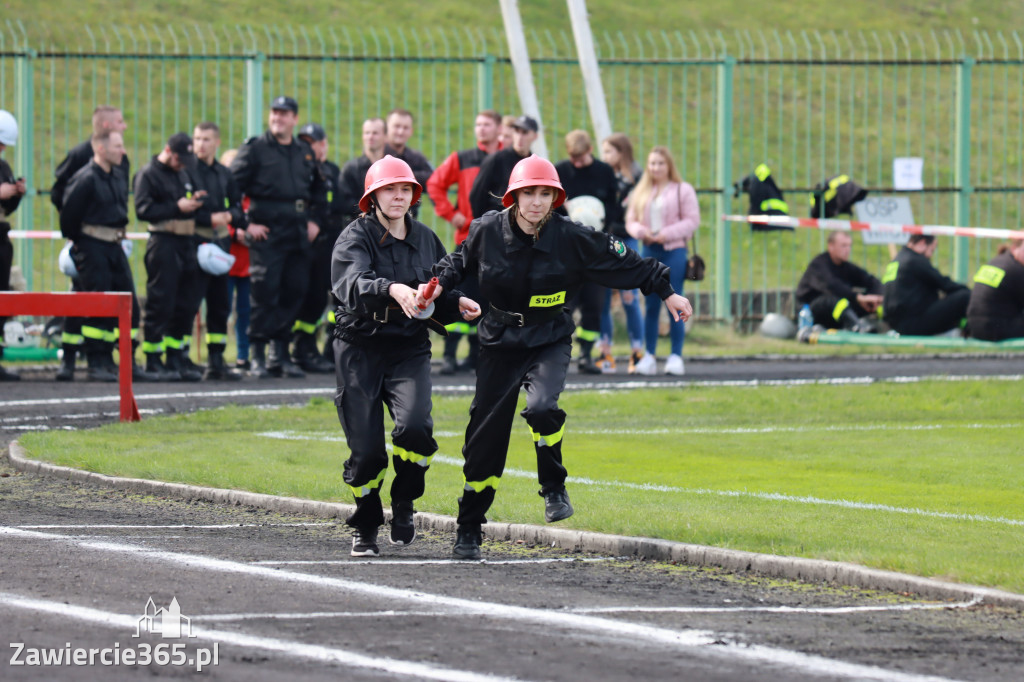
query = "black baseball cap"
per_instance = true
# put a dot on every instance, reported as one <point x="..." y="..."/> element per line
<point x="525" y="122"/>
<point x="313" y="131"/>
<point x="285" y="103"/>
<point x="181" y="144"/>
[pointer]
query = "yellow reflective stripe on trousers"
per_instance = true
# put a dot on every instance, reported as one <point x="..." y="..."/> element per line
<point x="304" y="327"/>
<point x="890" y="272"/>
<point x="587" y="335"/>
<point x="364" y="490"/>
<point x="148" y="347"/>
<point x="113" y="335"/>
<point x="840" y="308"/>
<point x="171" y="342"/>
<point x="216" y="338"/>
<point x="990" y="275"/>
<point x="479" y="486"/>
<point x="94" y="333"/>
<point x="460" y="328"/>
<point x="412" y="457"/>
<point x="550" y="440"/>
<point x="71" y="339"/>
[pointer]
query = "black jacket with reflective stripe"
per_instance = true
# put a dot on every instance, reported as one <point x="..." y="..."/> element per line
<point x="823" y="276"/>
<point x="222" y="194"/>
<point x="915" y="287"/>
<point x="1003" y="302"/>
<point x="157" y="190"/>
<point x="94" y="197"/>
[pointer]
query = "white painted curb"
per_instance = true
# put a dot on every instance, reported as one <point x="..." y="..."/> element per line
<point x="790" y="568"/>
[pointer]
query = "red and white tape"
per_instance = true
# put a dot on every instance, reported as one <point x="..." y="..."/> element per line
<point x="45" y="234"/>
<point x="856" y="226"/>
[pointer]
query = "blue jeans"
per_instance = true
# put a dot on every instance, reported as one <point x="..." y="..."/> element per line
<point x="634" y="318"/>
<point x="242" y="308"/>
<point x="675" y="259"/>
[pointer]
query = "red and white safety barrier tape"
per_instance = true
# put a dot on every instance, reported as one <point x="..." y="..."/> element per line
<point x="45" y="234"/>
<point x="856" y="226"/>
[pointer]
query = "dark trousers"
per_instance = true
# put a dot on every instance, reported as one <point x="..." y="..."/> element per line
<point x="6" y="261"/>
<point x="370" y="377"/>
<point x="171" y="290"/>
<point x="589" y="301"/>
<point x="824" y="309"/>
<point x="315" y="301"/>
<point x="72" y="338"/>
<point x="279" y="275"/>
<point x="214" y="290"/>
<point x="996" y="328"/>
<point x="102" y="266"/>
<point x="499" y="376"/>
<point x="945" y="314"/>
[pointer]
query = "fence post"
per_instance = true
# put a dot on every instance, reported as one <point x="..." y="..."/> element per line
<point x="961" y="202"/>
<point x="254" y="103"/>
<point x="723" y="201"/>
<point x="25" y="113"/>
<point x="485" y="83"/>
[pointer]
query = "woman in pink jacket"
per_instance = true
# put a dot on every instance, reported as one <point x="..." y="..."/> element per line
<point x="663" y="214"/>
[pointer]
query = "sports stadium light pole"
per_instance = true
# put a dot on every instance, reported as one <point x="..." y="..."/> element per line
<point x="521" y="66"/>
<point x="588" y="65"/>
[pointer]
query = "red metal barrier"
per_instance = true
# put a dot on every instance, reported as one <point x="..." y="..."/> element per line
<point x="85" y="304"/>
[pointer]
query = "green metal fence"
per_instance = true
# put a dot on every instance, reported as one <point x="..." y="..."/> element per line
<point x="808" y="104"/>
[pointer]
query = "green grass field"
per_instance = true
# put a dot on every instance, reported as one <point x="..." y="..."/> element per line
<point x="924" y="478"/>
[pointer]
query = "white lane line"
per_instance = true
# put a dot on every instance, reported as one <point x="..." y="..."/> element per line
<point x="798" y="610"/>
<point x="430" y="562"/>
<point x="287" y="647"/>
<point x="653" y="487"/>
<point x="237" y="617"/>
<point x="217" y="526"/>
<point x="698" y="642"/>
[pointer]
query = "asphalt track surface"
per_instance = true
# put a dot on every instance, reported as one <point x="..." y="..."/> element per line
<point x="277" y="597"/>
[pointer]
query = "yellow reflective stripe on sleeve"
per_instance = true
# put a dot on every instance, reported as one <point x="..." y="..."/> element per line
<point x="547" y="300"/>
<point x="479" y="486"/>
<point x="216" y="338"/>
<point x="148" y="347"/>
<point x="890" y="272"/>
<point x="171" y="342"/>
<point x="94" y="333"/>
<point x="72" y="339"/>
<point x="550" y="440"/>
<point x="304" y="327"/>
<point x="412" y="457"/>
<point x="840" y="308"/>
<point x="775" y="205"/>
<point x="990" y="275"/>
<point x="587" y="334"/>
<point x="459" y="328"/>
<point x="762" y="171"/>
<point x="364" y="490"/>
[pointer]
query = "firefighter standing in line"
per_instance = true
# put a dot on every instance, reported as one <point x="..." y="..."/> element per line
<point x="278" y="172"/>
<point x="353" y="173"/>
<point x="912" y="285"/>
<point x="304" y="352"/>
<point x="221" y="209"/>
<point x="530" y="262"/>
<point x="94" y="213"/>
<point x="166" y="198"/>
<point x="103" y="118"/>
<point x="996" y="310"/>
<point x="383" y="350"/>
<point x="11" y="191"/>
<point x="461" y="169"/>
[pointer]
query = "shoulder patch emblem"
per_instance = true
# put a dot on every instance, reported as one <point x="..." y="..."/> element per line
<point x="308" y="157"/>
<point x="617" y="248"/>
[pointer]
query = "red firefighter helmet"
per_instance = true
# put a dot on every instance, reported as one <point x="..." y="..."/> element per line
<point x="533" y="171"/>
<point x="388" y="171"/>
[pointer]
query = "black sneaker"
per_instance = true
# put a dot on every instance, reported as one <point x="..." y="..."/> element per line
<point x="364" y="542"/>
<point x="403" y="529"/>
<point x="448" y="366"/>
<point x="588" y="366"/>
<point x="556" y="505"/>
<point x="467" y="542"/>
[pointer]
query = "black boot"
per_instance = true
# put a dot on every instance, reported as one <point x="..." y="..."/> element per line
<point x="218" y="370"/>
<point x="586" y="363"/>
<point x="186" y="360"/>
<point x="155" y="369"/>
<point x="467" y="542"/>
<point x="451" y="344"/>
<point x="98" y="370"/>
<point x="67" y="364"/>
<point x="308" y="357"/>
<point x="176" y="364"/>
<point x="258" y="367"/>
<point x="279" y="363"/>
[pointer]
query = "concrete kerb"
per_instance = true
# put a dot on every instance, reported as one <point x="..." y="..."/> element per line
<point x="789" y="568"/>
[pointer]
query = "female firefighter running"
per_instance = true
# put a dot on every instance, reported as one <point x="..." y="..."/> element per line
<point x="530" y="261"/>
<point x="382" y="349"/>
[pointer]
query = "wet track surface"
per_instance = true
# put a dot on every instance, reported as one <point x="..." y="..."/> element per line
<point x="281" y="599"/>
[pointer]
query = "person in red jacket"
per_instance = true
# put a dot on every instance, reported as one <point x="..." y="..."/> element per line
<point x="461" y="169"/>
<point x="238" y="279"/>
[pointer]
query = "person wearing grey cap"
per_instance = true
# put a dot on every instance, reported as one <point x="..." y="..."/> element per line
<point x="166" y="198"/>
<point x="490" y="183"/>
<point x="278" y="172"/>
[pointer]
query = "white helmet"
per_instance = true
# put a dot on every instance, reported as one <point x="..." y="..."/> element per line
<point x="66" y="262"/>
<point x="776" y="326"/>
<point x="587" y="210"/>
<point x="8" y="129"/>
<point x="214" y="260"/>
<point x="15" y="335"/>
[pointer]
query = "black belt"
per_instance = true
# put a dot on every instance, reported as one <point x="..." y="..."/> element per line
<point x="298" y="207"/>
<point x="525" y="319"/>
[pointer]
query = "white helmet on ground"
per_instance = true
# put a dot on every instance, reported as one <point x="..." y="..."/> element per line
<point x="8" y="129"/>
<point x="214" y="260"/>
<point x="586" y="209"/>
<point x="66" y="262"/>
<point x="15" y="335"/>
<point x="776" y="326"/>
